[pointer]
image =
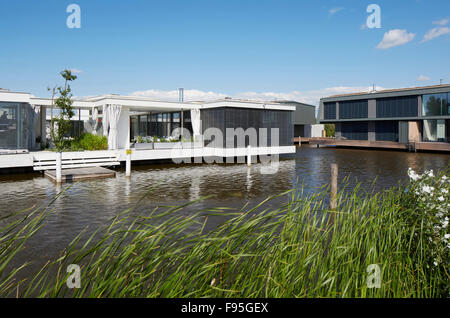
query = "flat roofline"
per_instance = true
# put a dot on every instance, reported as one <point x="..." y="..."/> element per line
<point x="387" y="91"/>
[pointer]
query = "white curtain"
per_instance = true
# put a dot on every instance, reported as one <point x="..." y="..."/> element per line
<point x="113" y="117"/>
<point x="95" y="120"/>
<point x="105" y="120"/>
<point x="196" y="122"/>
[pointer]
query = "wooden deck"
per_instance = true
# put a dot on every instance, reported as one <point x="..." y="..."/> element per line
<point x="81" y="174"/>
<point x="417" y="146"/>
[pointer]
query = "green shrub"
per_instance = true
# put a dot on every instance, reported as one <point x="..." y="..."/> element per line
<point x="89" y="142"/>
<point x="330" y="130"/>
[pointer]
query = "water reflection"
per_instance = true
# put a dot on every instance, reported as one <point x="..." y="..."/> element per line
<point x="90" y="204"/>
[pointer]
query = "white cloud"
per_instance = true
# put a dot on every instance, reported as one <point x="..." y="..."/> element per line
<point x="172" y="95"/>
<point x="435" y="32"/>
<point x="442" y="22"/>
<point x="309" y="97"/>
<point x="422" y="78"/>
<point x="394" y="38"/>
<point x="76" y="71"/>
<point x="333" y="11"/>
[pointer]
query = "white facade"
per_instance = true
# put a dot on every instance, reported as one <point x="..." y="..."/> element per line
<point x="35" y="127"/>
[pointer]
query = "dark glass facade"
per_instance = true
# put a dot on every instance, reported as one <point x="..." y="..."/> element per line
<point x="355" y="130"/>
<point x="386" y="130"/>
<point x="402" y="106"/>
<point x="353" y="109"/>
<point x="329" y="110"/>
<point x="223" y="118"/>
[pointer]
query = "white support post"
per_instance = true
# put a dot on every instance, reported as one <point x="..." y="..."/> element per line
<point x="58" y="167"/>
<point x="249" y="156"/>
<point x="128" y="164"/>
<point x="299" y="141"/>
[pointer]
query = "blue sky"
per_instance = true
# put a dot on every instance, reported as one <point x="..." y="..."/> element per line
<point x="283" y="49"/>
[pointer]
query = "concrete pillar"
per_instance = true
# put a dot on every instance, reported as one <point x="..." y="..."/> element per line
<point x="371" y="131"/>
<point x="372" y="108"/>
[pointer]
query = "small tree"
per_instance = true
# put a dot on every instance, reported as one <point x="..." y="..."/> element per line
<point x="64" y="103"/>
<point x="330" y="130"/>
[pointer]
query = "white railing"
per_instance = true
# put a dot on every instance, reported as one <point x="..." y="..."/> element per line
<point x="70" y="160"/>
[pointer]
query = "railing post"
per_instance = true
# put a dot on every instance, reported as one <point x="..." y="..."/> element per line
<point x="299" y="141"/>
<point x="58" y="167"/>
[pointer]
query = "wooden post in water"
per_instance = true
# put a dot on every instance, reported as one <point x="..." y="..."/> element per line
<point x="334" y="189"/>
<point x="249" y="156"/>
<point x="58" y="167"/>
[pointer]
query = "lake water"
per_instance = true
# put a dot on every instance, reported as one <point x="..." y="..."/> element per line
<point x="90" y="204"/>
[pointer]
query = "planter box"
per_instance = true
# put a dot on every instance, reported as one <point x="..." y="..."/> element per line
<point x="166" y="145"/>
<point x="195" y="144"/>
<point x="143" y="146"/>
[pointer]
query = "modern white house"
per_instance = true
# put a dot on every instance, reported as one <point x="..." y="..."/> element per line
<point x="24" y="126"/>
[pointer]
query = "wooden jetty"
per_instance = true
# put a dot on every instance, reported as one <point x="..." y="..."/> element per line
<point x="69" y="175"/>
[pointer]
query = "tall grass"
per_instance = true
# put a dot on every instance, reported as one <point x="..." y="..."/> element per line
<point x="291" y="251"/>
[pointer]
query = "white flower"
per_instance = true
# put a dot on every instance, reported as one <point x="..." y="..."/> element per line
<point x="444" y="191"/>
<point x="441" y="198"/>
<point x="446" y="236"/>
<point x="427" y="189"/>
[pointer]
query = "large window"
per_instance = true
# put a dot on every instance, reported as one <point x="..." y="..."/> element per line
<point x="386" y="130"/>
<point x="435" y="105"/>
<point x="329" y="110"/>
<point x="15" y="126"/>
<point x="354" y="130"/>
<point x="434" y="130"/>
<point x="402" y="106"/>
<point x="353" y="109"/>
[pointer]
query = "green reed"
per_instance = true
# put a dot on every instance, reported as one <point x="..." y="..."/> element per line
<point x="294" y="250"/>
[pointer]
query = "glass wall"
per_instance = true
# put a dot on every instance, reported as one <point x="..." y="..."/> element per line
<point x="434" y="130"/>
<point x="353" y="109"/>
<point x="386" y="130"/>
<point x="14" y="122"/>
<point x="355" y="130"/>
<point x="329" y="111"/>
<point x="436" y="105"/>
<point x="158" y="124"/>
<point x="401" y="106"/>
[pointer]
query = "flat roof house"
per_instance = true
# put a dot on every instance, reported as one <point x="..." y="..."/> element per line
<point x="25" y="122"/>
<point x="417" y="116"/>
